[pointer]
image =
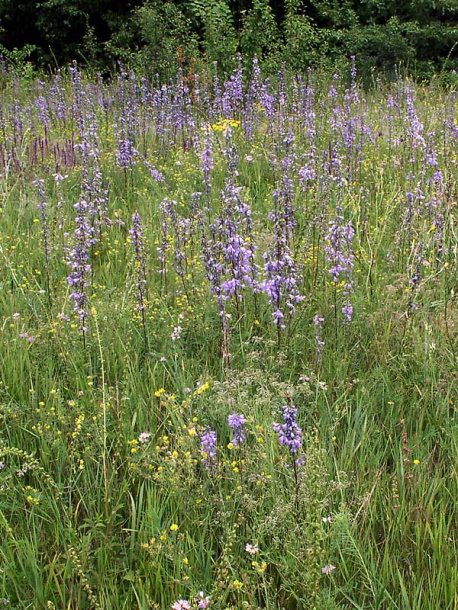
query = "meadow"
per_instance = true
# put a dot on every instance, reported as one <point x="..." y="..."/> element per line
<point x="228" y="372"/>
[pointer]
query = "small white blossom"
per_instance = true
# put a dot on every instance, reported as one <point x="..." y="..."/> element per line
<point x="144" y="438"/>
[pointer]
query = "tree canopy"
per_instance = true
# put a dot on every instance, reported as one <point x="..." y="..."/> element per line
<point x="159" y="35"/>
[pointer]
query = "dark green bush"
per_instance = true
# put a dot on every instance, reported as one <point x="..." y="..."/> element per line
<point x="157" y="36"/>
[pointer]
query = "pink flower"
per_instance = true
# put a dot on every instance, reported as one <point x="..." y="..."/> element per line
<point x="204" y="601"/>
<point x="144" y="437"/>
<point x="181" y="604"/>
<point x="328" y="569"/>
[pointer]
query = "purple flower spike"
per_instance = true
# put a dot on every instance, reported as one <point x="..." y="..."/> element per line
<point x="208" y="448"/>
<point x="289" y="433"/>
<point x="136" y="238"/>
<point x="339" y="255"/>
<point x="236" y="423"/>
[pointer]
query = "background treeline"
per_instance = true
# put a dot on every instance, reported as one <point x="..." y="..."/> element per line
<point x="160" y="35"/>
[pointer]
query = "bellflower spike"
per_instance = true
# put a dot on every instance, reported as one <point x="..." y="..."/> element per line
<point x="236" y="423"/>
<point x="208" y="448"/>
<point x="289" y="433"/>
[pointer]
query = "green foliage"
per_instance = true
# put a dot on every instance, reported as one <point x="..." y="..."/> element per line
<point x="379" y="50"/>
<point x="18" y="60"/>
<point x="65" y="27"/>
<point x="219" y="39"/>
<point x="261" y="37"/>
<point x="148" y="34"/>
<point x="334" y="14"/>
<point x="302" y="40"/>
<point x="166" y="38"/>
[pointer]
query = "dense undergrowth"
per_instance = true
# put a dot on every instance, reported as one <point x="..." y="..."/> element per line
<point x="228" y="344"/>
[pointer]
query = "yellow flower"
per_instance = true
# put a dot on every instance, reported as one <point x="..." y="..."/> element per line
<point x="173" y="527"/>
<point x="237" y="584"/>
<point x="203" y="388"/>
<point x="159" y="392"/>
<point x="260" y="568"/>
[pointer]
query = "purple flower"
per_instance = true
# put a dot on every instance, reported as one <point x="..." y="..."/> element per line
<point x="128" y="122"/>
<point x="156" y="175"/>
<point x="78" y="260"/>
<point x="136" y="238"/>
<point x="208" y="448"/>
<point x="347" y="311"/>
<point x="236" y="423"/>
<point x="207" y="163"/>
<point x="413" y="123"/>
<point x="289" y="433"/>
<point x="282" y="276"/>
<point x="328" y="569"/>
<point x="339" y="251"/>
<point x="340" y="257"/>
<point x="281" y="280"/>
<point x="229" y="253"/>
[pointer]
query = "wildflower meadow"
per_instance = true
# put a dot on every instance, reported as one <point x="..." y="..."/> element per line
<point x="228" y="371"/>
